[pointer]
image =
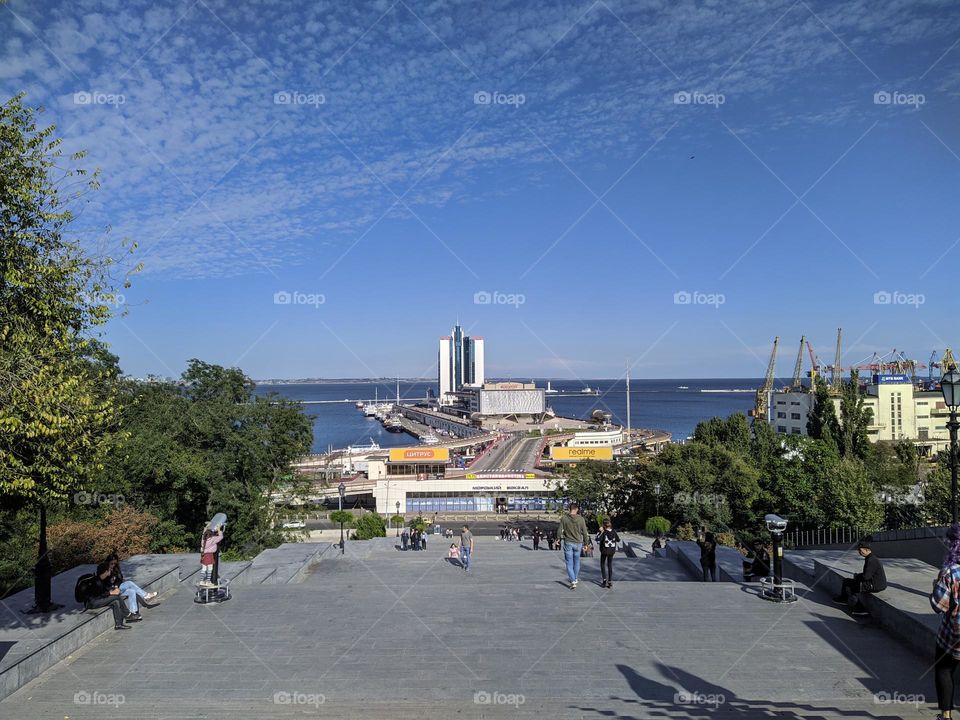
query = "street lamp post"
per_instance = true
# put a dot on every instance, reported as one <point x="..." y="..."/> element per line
<point x="342" y="488"/>
<point x="656" y="489"/>
<point x="398" y="513"/>
<point x="950" y="387"/>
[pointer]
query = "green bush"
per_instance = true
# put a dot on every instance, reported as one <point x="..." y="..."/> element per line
<point x="397" y="521"/>
<point x="369" y="526"/>
<point x="727" y="538"/>
<point x="657" y="525"/>
<point x="418" y="523"/>
<point x="341" y="516"/>
<point x="686" y="532"/>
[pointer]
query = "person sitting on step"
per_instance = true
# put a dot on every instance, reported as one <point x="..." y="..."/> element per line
<point x="871" y="580"/>
<point x="132" y="593"/>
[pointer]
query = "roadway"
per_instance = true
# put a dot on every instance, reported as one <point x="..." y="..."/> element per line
<point x="515" y="454"/>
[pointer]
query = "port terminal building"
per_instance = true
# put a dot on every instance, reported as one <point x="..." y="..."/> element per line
<point x="900" y="410"/>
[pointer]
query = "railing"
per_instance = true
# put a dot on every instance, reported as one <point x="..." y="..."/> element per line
<point x="826" y="536"/>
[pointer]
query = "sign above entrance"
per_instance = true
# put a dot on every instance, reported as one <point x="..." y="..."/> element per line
<point x="573" y="454"/>
<point x="501" y="476"/>
<point x="419" y="455"/>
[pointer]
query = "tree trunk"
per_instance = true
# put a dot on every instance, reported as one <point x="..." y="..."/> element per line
<point x="43" y="572"/>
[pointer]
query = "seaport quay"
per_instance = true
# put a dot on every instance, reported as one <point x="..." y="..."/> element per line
<point x="483" y="447"/>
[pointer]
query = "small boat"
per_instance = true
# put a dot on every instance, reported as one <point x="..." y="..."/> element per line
<point x="393" y="424"/>
<point x="372" y="446"/>
<point x="359" y="405"/>
<point x="589" y="391"/>
<point x="682" y="387"/>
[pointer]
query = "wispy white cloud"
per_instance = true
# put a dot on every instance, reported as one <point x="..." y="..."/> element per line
<point x="397" y="80"/>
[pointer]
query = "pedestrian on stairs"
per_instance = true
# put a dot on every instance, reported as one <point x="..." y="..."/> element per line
<point x="945" y="600"/>
<point x="572" y="534"/>
<point x="607" y="540"/>
<point x="708" y="556"/>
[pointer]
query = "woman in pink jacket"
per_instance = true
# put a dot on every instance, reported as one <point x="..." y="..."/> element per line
<point x="208" y="550"/>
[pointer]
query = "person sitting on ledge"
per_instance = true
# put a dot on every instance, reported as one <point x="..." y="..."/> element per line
<point x="100" y="595"/>
<point x="133" y="593"/>
<point x="760" y="567"/>
<point x="872" y="580"/>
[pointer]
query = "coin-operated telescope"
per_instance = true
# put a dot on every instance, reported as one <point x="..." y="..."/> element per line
<point x="775" y="588"/>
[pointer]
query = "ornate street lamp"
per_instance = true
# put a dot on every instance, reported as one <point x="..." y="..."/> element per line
<point x="398" y="513"/>
<point x="656" y="489"/>
<point x="950" y="387"/>
<point x="342" y="488"/>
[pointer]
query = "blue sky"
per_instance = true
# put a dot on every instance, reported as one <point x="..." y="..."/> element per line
<point x="590" y="166"/>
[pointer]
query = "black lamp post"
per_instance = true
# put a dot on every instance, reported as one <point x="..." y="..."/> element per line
<point x="950" y="387"/>
<point x="398" y="513"/>
<point x="656" y="489"/>
<point x="342" y="488"/>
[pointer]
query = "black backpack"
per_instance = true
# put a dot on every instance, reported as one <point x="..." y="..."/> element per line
<point x="85" y="587"/>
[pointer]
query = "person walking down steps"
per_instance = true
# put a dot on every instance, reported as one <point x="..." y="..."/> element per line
<point x="607" y="541"/>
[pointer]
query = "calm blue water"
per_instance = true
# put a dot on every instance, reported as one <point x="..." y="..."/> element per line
<point x="656" y="404"/>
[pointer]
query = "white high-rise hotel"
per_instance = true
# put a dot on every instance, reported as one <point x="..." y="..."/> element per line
<point x="460" y="363"/>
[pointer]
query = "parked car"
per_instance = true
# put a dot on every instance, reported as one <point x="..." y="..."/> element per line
<point x="294" y="525"/>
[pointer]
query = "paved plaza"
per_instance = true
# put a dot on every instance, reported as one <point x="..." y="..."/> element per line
<point x="384" y="634"/>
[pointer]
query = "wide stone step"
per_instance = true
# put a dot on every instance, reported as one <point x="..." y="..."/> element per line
<point x="902" y="609"/>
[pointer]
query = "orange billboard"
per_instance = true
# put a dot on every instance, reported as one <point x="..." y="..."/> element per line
<point x="573" y="454"/>
<point x="419" y="455"/>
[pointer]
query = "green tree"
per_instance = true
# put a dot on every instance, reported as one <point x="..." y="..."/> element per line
<point x="854" y="419"/>
<point x="341" y="516"/>
<point x="57" y="406"/>
<point x="369" y="525"/>
<point x="935" y="506"/>
<point x="732" y="433"/>
<point x="849" y="499"/>
<point x="893" y="466"/>
<point x="822" y="423"/>
<point x="208" y="444"/>
<point x="602" y="488"/>
<point x="657" y="525"/>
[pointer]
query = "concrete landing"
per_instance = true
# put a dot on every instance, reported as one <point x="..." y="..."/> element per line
<point x="30" y="644"/>
<point x="382" y="633"/>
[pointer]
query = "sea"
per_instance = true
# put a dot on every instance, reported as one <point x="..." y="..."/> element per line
<point x="672" y="405"/>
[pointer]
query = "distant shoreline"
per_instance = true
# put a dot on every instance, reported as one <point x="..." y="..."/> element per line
<point x="341" y="381"/>
<point x="376" y="381"/>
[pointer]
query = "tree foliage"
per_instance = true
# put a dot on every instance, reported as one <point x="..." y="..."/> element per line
<point x="208" y="444"/>
<point x="854" y="419"/>
<point x="341" y="516"/>
<point x="369" y="525"/>
<point x="57" y="408"/>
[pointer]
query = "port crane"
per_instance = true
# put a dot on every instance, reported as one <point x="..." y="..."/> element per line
<point x="797" y="385"/>
<point x="761" y="402"/>
<point x="814" y="364"/>
<point x="836" y="371"/>
<point x="947" y="363"/>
